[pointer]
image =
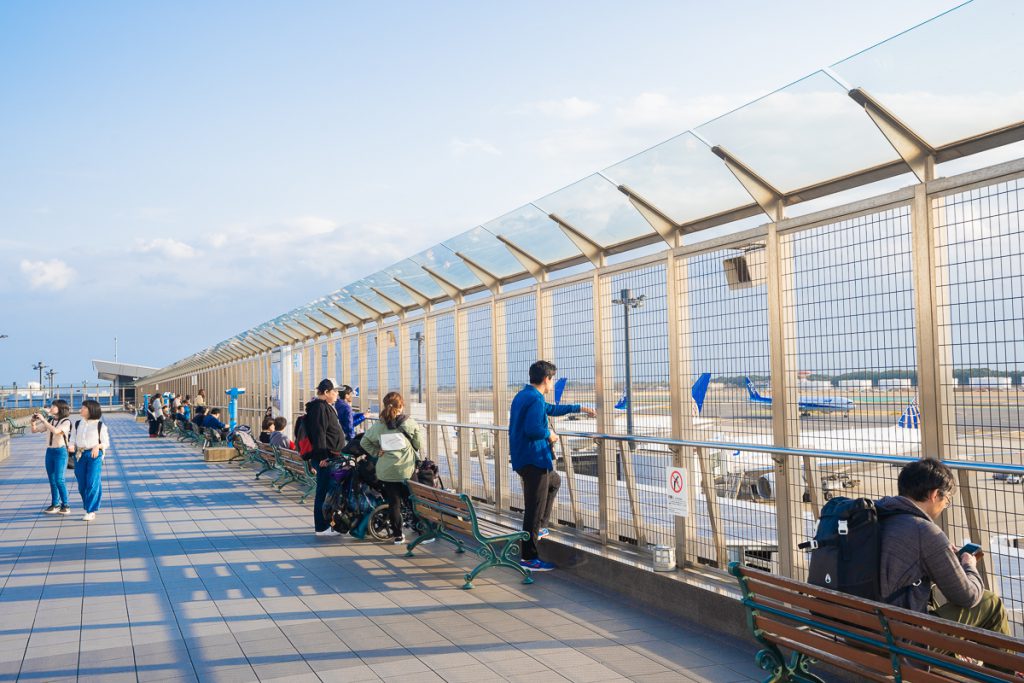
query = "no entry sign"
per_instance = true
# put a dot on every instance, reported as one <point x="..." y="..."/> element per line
<point x="675" y="478"/>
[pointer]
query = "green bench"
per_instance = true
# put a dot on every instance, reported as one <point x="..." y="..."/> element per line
<point x="294" y="469"/>
<point x="452" y="517"/>
<point x="872" y="640"/>
<point x="15" y="429"/>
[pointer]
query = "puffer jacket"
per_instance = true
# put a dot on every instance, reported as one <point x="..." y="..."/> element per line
<point x="915" y="549"/>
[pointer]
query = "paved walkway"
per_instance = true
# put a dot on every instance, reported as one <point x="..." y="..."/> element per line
<point x="196" y="572"/>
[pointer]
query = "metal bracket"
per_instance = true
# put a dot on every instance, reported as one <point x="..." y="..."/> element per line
<point x="490" y="280"/>
<point x="591" y="249"/>
<point x="918" y="154"/>
<point x="764" y="193"/>
<point x="658" y="219"/>
<point x="532" y="265"/>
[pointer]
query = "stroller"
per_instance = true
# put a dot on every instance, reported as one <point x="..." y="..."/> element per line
<point x="356" y="502"/>
<point x="355" y="492"/>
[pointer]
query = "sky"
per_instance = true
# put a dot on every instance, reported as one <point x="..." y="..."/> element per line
<point x="174" y="173"/>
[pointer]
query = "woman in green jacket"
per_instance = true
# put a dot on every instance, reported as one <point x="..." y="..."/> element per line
<point x="394" y="440"/>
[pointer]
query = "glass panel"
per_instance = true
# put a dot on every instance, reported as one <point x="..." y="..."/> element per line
<point x="953" y="77"/>
<point x="596" y="208"/>
<point x="445" y="263"/>
<point x="534" y="232"/>
<point x="386" y="284"/>
<point x="343" y="298"/>
<point x="804" y="134"/>
<point x="484" y="249"/>
<point x="371" y="298"/>
<point x="410" y="273"/>
<point x="683" y="178"/>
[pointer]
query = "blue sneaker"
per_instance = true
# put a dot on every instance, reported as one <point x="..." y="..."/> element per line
<point x="542" y="533"/>
<point x="536" y="565"/>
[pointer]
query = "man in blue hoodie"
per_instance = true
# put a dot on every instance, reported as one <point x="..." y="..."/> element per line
<point x="531" y="444"/>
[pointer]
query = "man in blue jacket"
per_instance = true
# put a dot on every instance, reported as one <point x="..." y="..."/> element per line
<point x="531" y="444"/>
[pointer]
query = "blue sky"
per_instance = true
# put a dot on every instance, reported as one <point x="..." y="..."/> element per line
<point x="174" y="173"/>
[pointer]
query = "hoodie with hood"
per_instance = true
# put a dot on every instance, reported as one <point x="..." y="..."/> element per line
<point x="323" y="429"/>
<point x="914" y="549"/>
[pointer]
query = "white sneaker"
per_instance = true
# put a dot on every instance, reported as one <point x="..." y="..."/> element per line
<point x="88" y="516"/>
<point x="329" y="531"/>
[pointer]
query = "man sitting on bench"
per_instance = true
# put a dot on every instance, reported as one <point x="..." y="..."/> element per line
<point x="916" y="554"/>
<point x="212" y="421"/>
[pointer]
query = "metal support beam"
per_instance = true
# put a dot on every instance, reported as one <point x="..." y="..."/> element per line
<point x="658" y="219"/>
<point x="532" y="264"/>
<point x="421" y="299"/>
<point x="490" y="280"/>
<point x="591" y="249"/>
<point x="337" y="316"/>
<point x="764" y="193"/>
<point x="365" y="304"/>
<point x="453" y="292"/>
<point x="397" y="308"/>
<point x="912" y="148"/>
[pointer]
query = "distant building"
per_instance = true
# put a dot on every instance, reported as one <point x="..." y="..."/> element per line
<point x="855" y="384"/>
<point x="990" y="382"/>
<point x="815" y="384"/>
<point x="894" y="383"/>
<point x="122" y="376"/>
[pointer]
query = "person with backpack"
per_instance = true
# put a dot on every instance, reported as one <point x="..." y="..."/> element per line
<point x="319" y="436"/>
<point x="156" y="416"/>
<point x="89" y="440"/>
<point x="531" y="441"/>
<point x="59" y="427"/>
<point x="916" y="555"/>
<point x="393" y="440"/>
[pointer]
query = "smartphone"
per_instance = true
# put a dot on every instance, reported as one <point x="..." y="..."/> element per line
<point x="969" y="548"/>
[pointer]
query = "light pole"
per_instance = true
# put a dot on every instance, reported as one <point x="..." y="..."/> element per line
<point x="49" y="375"/>
<point x="419" y="364"/>
<point x="628" y="301"/>
<point x="38" y="366"/>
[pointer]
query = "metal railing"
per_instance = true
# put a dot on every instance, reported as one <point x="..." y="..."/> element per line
<point x="615" y="492"/>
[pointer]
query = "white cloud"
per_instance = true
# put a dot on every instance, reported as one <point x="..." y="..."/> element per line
<point x="167" y="247"/>
<point x="462" y="147"/>
<point x="663" y="112"/>
<point x="53" y="274"/>
<point x="568" y="108"/>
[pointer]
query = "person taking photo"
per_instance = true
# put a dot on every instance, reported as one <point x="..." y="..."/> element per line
<point x="58" y="427"/>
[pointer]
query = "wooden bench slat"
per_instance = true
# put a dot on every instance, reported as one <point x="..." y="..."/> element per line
<point x="840" y="653"/>
<point x="988" y="638"/>
<point x="936" y="644"/>
<point x="811" y="605"/>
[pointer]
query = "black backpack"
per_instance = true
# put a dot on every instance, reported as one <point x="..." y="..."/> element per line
<point x="846" y="550"/>
<point x="427" y="473"/>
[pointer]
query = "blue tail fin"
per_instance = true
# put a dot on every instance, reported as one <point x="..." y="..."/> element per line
<point x="750" y="389"/>
<point x="560" y="389"/>
<point x="622" y="402"/>
<point x="911" y="417"/>
<point x="700" y="390"/>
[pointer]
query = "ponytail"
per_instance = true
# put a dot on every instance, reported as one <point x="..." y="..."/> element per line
<point x="393" y="405"/>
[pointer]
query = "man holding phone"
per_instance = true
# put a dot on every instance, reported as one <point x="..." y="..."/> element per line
<point x="916" y="554"/>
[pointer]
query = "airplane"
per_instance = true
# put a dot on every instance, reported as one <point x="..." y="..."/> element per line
<point x="807" y="404"/>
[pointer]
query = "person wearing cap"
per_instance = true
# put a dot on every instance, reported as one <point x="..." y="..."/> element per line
<point x="324" y="433"/>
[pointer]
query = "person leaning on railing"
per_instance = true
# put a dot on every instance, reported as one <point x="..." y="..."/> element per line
<point x="531" y="442"/>
<point x="916" y="555"/>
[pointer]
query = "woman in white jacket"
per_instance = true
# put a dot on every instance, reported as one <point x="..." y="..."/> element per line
<point x="90" y="439"/>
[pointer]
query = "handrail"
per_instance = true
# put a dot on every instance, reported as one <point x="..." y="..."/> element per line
<point x="750" y="448"/>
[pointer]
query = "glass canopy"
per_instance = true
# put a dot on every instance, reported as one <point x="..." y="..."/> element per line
<point x="798" y="136"/>
<point x="535" y="233"/>
<point x="682" y="179"/>
<point x="953" y="80"/>
<point x="596" y="208"/>
<point x="952" y="77"/>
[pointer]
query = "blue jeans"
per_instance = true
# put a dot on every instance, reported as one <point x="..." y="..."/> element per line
<point x="87" y="472"/>
<point x="56" y="463"/>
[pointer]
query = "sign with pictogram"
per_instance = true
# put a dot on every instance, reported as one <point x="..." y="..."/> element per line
<point x="676" y="479"/>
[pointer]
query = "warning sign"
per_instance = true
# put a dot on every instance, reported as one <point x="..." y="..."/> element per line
<point x="677" y="483"/>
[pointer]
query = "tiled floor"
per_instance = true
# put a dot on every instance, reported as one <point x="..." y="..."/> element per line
<point x="197" y="572"/>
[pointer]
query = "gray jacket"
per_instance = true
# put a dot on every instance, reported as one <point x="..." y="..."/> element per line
<point x="914" y="548"/>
